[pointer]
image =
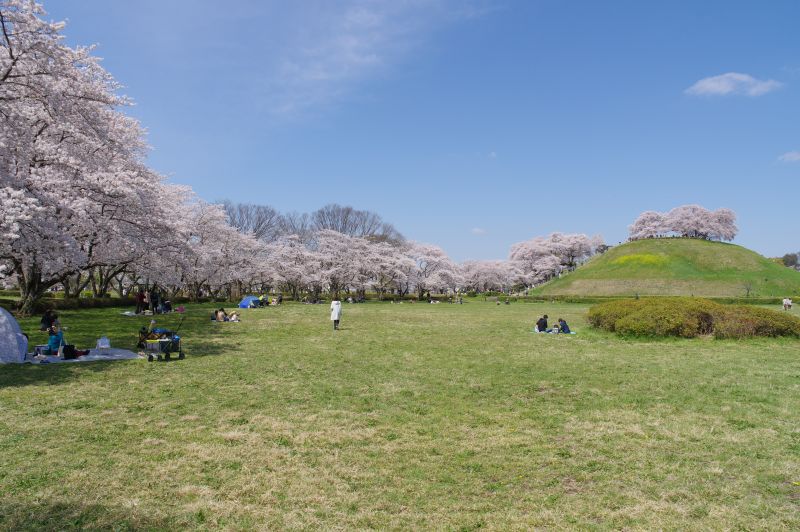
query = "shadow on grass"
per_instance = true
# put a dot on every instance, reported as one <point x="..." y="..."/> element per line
<point x="17" y="375"/>
<point x="199" y="336"/>
<point x="33" y="515"/>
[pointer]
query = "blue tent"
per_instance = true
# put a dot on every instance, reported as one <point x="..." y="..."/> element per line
<point x="13" y="344"/>
<point x="249" y="302"/>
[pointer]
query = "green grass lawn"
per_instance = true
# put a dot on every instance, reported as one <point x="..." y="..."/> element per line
<point x="411" y="416"/>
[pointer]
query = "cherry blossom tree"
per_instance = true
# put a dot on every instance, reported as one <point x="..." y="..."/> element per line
<point x="433" y="270"/>
<point x="215" y="255"/>
<point x="338" y="264"/>
<point x="542" y="258"/>
<point x="290" y="263"/>
<point x="649" y="224"/>
<point x="394" y="268"/>
<point x="690" y="221"/>
<point x="69" y="158"/>
<point x="487" y="275"/>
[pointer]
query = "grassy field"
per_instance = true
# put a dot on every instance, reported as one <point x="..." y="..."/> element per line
<point x="411" y="416"/>
<point x="678" y="266"/>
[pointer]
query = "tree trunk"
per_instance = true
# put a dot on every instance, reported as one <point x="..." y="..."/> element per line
<point x="74" y="285"/>
<point x="93" y="278"/>
<point x="105" y="276"/>
<point x="31" y="289"/>
<point x="120" y="288"/>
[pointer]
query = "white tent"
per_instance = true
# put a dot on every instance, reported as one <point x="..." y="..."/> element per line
<point x="13" y="345"/>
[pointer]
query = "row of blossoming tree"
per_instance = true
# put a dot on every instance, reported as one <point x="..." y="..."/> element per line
<point x="690" y="221"/>
<point x="80" y="209"/>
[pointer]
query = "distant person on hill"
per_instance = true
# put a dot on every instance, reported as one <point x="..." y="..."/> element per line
<point x="336" y="313"/>
<point x="563" y="327"/>
<point x="541" y="325"/>
<point x="787" y="304"/>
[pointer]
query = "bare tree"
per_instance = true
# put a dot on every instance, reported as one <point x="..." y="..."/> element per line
<point x="748" y="286"/>
<point x="295" y="223"/>
<point x="261" y="221"/>
<point x="354" y="222"/>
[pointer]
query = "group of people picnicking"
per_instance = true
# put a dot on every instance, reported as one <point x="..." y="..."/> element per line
<point x="263" y="300"/>
<point x="221" y="315"/>
<point x="151" y="301"/>
<point x="559" y="327"/>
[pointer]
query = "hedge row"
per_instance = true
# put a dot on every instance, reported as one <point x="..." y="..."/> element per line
<point x="690" y="317"/>
<point x="95" y="302"/>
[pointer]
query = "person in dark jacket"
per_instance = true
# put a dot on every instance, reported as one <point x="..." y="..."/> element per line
<point x="48" y="319"/>
<point x="563" y="327"/>
<point x="541" y="325"/>
<point x="154" y="299"/>
<point x="140" y="301"/>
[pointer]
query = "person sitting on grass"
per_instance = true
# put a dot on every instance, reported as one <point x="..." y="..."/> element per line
<point x="220" y="315"/>
<point x="563" y="327"/>
<point x="56" y="339"/>
<point x="541" y="325"/>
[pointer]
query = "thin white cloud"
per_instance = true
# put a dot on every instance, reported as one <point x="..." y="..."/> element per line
<point x="493" y="155"/>
<point x="790" y="157"/>
<point x="338" y="45"/>
<point x="478" y="231"/>
<point x="733" y="83"/>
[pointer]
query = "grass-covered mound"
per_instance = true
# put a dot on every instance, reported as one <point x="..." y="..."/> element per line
<point x="690" y="317"/>
<point x="678" y="267"/>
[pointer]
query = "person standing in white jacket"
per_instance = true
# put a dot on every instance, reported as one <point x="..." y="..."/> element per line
<point x="336" y="313"/>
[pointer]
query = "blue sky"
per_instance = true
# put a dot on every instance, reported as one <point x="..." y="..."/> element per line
<point x="470" y="124"/>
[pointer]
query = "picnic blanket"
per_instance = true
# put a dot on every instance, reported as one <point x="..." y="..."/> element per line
<point x="111" y="353"/>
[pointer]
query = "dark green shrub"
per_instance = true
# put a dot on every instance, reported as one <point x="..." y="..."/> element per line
<point x="690" y="317"/>
<point x="682" y="318"/>
<point x="744" y="321"/>
<point x="605" y="315"/>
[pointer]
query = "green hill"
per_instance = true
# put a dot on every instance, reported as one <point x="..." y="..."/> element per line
<point x="677" y="266"/>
